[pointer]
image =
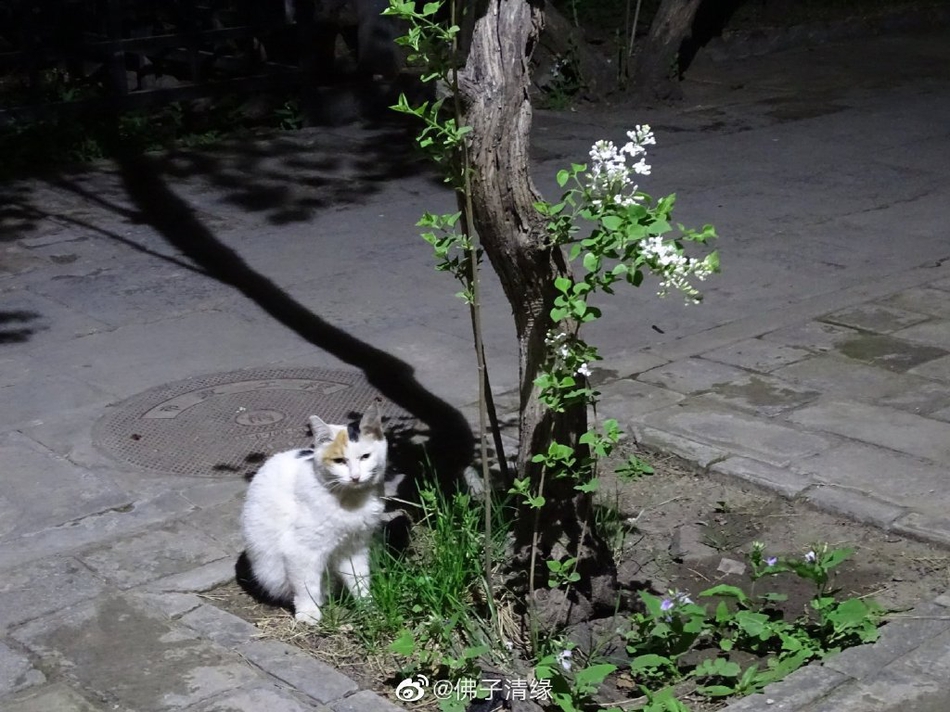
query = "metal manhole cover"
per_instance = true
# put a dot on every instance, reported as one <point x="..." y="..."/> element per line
<point x="228" y="423"/>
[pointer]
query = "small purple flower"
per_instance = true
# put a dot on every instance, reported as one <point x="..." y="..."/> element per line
<point x="771" y="561"/>
<point x="666" y="605"/>
<point x="810" y="557"/>
<point x="683" y="598"/>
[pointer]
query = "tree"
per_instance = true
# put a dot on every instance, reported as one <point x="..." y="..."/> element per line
<point x="494" y="85"/>
<point x="657" y="70"/>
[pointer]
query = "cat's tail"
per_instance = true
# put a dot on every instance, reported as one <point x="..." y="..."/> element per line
<point x="244" y="575"/>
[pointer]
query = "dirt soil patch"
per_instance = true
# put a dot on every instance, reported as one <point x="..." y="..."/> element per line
<point x="677" y="530"/>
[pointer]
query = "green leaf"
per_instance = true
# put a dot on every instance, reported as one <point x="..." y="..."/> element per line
<point x="726" y="591"/>
<point x="835" y="557"/>
<point x="611" y="222"/>
<point x="717" y="667"/>
<point x="716" y="691"/>
<point x="650" y="661"/>
<point x="563" y="285"/>
<point x="562" y="178"/>
<point x="850" y="613"/>
<point x="751" y="623"/>
<point x="591" y="262"/>
<point x="593" y="675"/>
<point x="405" y="644"/>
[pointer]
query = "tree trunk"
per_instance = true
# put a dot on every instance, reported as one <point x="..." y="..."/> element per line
<point x="656" y="75"/>
<point x="494" y="85"/>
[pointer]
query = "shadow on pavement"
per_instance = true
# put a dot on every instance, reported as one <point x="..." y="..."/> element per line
<point x="158" y="206"/>
<point x="10" y="330"/>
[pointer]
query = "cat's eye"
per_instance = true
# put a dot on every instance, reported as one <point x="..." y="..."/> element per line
<point x="339" y="460"/>
<point x="365" y="456"/>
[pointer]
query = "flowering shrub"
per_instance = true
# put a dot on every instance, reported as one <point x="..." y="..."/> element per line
<point x="629" y="236"/>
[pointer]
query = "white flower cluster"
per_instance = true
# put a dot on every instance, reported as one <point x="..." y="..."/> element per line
<point x="609" y="176"/>
<point x="673" y="267"/>
<point x="558" y="341"/>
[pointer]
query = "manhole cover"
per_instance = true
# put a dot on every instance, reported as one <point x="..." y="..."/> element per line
<point x="228" y="423"/>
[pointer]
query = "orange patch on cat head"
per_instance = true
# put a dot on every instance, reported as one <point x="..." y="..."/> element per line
<point x="337" y="448"/>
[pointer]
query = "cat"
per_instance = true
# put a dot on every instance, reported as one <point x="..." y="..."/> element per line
<point x="312" y="511"/>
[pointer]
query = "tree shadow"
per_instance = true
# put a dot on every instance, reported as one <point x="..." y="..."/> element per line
<point x="155" y="204"/>
<point x="10" y="331"/>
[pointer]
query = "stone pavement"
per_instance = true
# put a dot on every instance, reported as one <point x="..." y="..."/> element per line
<point x="818" y="366"/>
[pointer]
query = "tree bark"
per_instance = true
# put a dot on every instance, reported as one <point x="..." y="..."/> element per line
<point x="494" y="85"/>
<point x="656" y="75"/>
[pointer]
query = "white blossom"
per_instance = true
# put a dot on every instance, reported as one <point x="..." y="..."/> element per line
<point x="673" y="267"/>
<point x="583" y="370"/>
<point x="609" y="175"/>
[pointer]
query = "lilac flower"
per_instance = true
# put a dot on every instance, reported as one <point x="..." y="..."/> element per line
<point x="810" y="557"/>
<point x="683" y="598"/>
<point x="771" y="561"/>
<point x="666" y="604"/>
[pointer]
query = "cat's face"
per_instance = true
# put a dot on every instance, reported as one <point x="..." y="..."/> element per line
<point x="350" y="456"/>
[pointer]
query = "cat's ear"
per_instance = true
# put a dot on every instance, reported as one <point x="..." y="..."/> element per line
<point x="371" y="424"/>
<point x="321" y="431"/>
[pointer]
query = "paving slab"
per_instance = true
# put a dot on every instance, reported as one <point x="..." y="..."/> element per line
<point x="910" y="482"/>
<point x="934" y="333"/>
<point x="45" y="392"/>
<point x="834" y="375"/>
<point x="889" y="691"/>
<point x="928" y="300"/>
<point x="903" y="634"/>
<point x="146" y="355"/>
<point x="923" y="399"/>
<point x="783" y="480"/>
<point x="938" y="370"/>
<point x="812" y="336"/>
<point x="927" y="527"/>
<point x="762" y="394"/>
<point x="738" y="433"/>
<point x="364" y="700"/>
<point x="16" y="671"/>
<point x="293" y="666"/>
<point x="888" y="352"/>
<point x="54" y="698"/>
<point x="855" y="504"/>
<point x="94" y="528"/>
<point x="626" y="399"/>
<point x="757" y="355"/>
<point x="878" y="318"/>
<point x="266" y="697"/>
<point x="223" y="628"/>
<point x="153" y="554"/>
<point x="45" y="586"/>
<point x="661" y="440"/>
<point x="134" y="657"/>
<point x="794" y="692"/>
<point x="877" y="425"/>
<point x="692" y="375"/>
<point x="164" y="291"/>
<point x="56" y="491"/>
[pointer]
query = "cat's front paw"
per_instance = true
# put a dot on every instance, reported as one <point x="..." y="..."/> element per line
<point x="308" y="615"/>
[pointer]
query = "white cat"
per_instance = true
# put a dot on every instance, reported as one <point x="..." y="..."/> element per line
<point x="309" y="512"/>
